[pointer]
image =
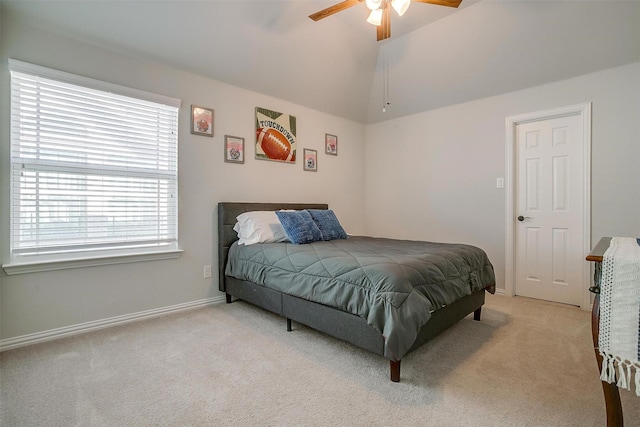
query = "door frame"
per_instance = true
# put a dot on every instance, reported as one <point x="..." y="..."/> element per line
<point x="584" y="111"/>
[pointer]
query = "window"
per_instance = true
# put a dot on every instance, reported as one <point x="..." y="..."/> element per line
<point x="93" y="169"/>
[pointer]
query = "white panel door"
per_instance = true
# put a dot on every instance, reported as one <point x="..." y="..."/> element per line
<point x="549" y="240"/>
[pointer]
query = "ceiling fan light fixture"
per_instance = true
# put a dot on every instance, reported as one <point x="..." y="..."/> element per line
<point x="380" y="14"/>
<point x="375" y="17"/>
<point x="400" y="6"/>
<point x="373" y="4"/>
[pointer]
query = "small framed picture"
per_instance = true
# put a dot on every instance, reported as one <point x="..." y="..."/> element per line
<point x="233" y="149"/>
<point x="201" y="121"/>
<point x="310" y="160"/>
<point x="330" y="144"/>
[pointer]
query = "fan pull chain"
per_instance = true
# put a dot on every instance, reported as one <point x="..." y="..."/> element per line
<point x="385" y="81"/>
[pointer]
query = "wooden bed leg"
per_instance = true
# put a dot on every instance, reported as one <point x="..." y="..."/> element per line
<point x="395" y="371"/>
<point x="228" y="298"/>
<point x="289" y="325"/>
<point x="476" y="314"/>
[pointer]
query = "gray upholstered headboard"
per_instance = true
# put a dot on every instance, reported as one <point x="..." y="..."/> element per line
<point x="227" y="213"/>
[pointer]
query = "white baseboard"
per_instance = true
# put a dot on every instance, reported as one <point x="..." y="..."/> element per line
<point x="52" y="334"/>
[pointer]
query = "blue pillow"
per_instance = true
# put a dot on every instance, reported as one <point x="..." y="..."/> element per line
<point x="299" y="226"/>
<point x="328" y="224"/>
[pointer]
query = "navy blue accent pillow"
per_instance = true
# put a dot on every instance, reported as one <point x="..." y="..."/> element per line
<point x="299" y="226"/>
<point x="328" y="224"/>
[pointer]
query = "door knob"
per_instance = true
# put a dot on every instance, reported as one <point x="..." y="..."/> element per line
<point x="522" y="218"/>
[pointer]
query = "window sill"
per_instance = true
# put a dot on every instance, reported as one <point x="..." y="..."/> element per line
<point x="40" y="266"/>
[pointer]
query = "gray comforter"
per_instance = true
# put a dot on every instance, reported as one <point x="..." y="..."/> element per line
<point x="393" y="284"/>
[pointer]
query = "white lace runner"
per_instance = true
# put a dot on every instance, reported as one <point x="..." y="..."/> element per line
<point x="619" y="338"/>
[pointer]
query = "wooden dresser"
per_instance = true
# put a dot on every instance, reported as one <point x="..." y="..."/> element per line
<point x="611" y="393"/>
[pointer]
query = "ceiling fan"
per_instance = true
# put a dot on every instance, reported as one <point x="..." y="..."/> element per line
<point x="380" y="10"/>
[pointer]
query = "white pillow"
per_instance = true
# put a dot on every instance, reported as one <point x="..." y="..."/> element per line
<point x="259" y="227"/>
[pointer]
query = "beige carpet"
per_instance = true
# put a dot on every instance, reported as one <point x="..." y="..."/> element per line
<point x="527" y="363"/>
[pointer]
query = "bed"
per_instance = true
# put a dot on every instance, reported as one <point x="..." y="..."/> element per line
<point x="381" y="319"/>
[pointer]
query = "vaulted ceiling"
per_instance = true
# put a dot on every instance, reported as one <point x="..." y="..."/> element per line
<point x="436" y="55"/>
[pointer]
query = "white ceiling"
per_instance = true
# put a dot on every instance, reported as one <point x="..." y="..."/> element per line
<point x="437" y="56"/>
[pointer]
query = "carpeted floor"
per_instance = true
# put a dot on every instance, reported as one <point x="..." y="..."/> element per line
<point x="527" y="363"/>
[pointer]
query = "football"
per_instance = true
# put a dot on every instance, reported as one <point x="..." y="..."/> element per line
<point x="274" y="144"/>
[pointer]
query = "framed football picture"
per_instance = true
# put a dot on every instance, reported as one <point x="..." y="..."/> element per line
<point x="233" y="149"/>
<point x="275" y="136"/>
<point x="201" y="121"/>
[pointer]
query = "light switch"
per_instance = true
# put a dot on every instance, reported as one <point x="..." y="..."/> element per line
<point x="500" y="183"/>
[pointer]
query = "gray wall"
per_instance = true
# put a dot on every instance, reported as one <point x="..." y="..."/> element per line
<point x="3" y="125"/>
<point x="32" y="303"/>
<point x="444" y="163"/>
<point x="427" y="176"/>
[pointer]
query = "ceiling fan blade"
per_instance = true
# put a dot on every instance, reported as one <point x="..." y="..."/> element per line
<point x="383" y="31"/>
<point x="334" y="9"/>
<point x="450" y="3"/>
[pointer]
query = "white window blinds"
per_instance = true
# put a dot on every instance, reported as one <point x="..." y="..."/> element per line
<point x="91" y="170"/>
